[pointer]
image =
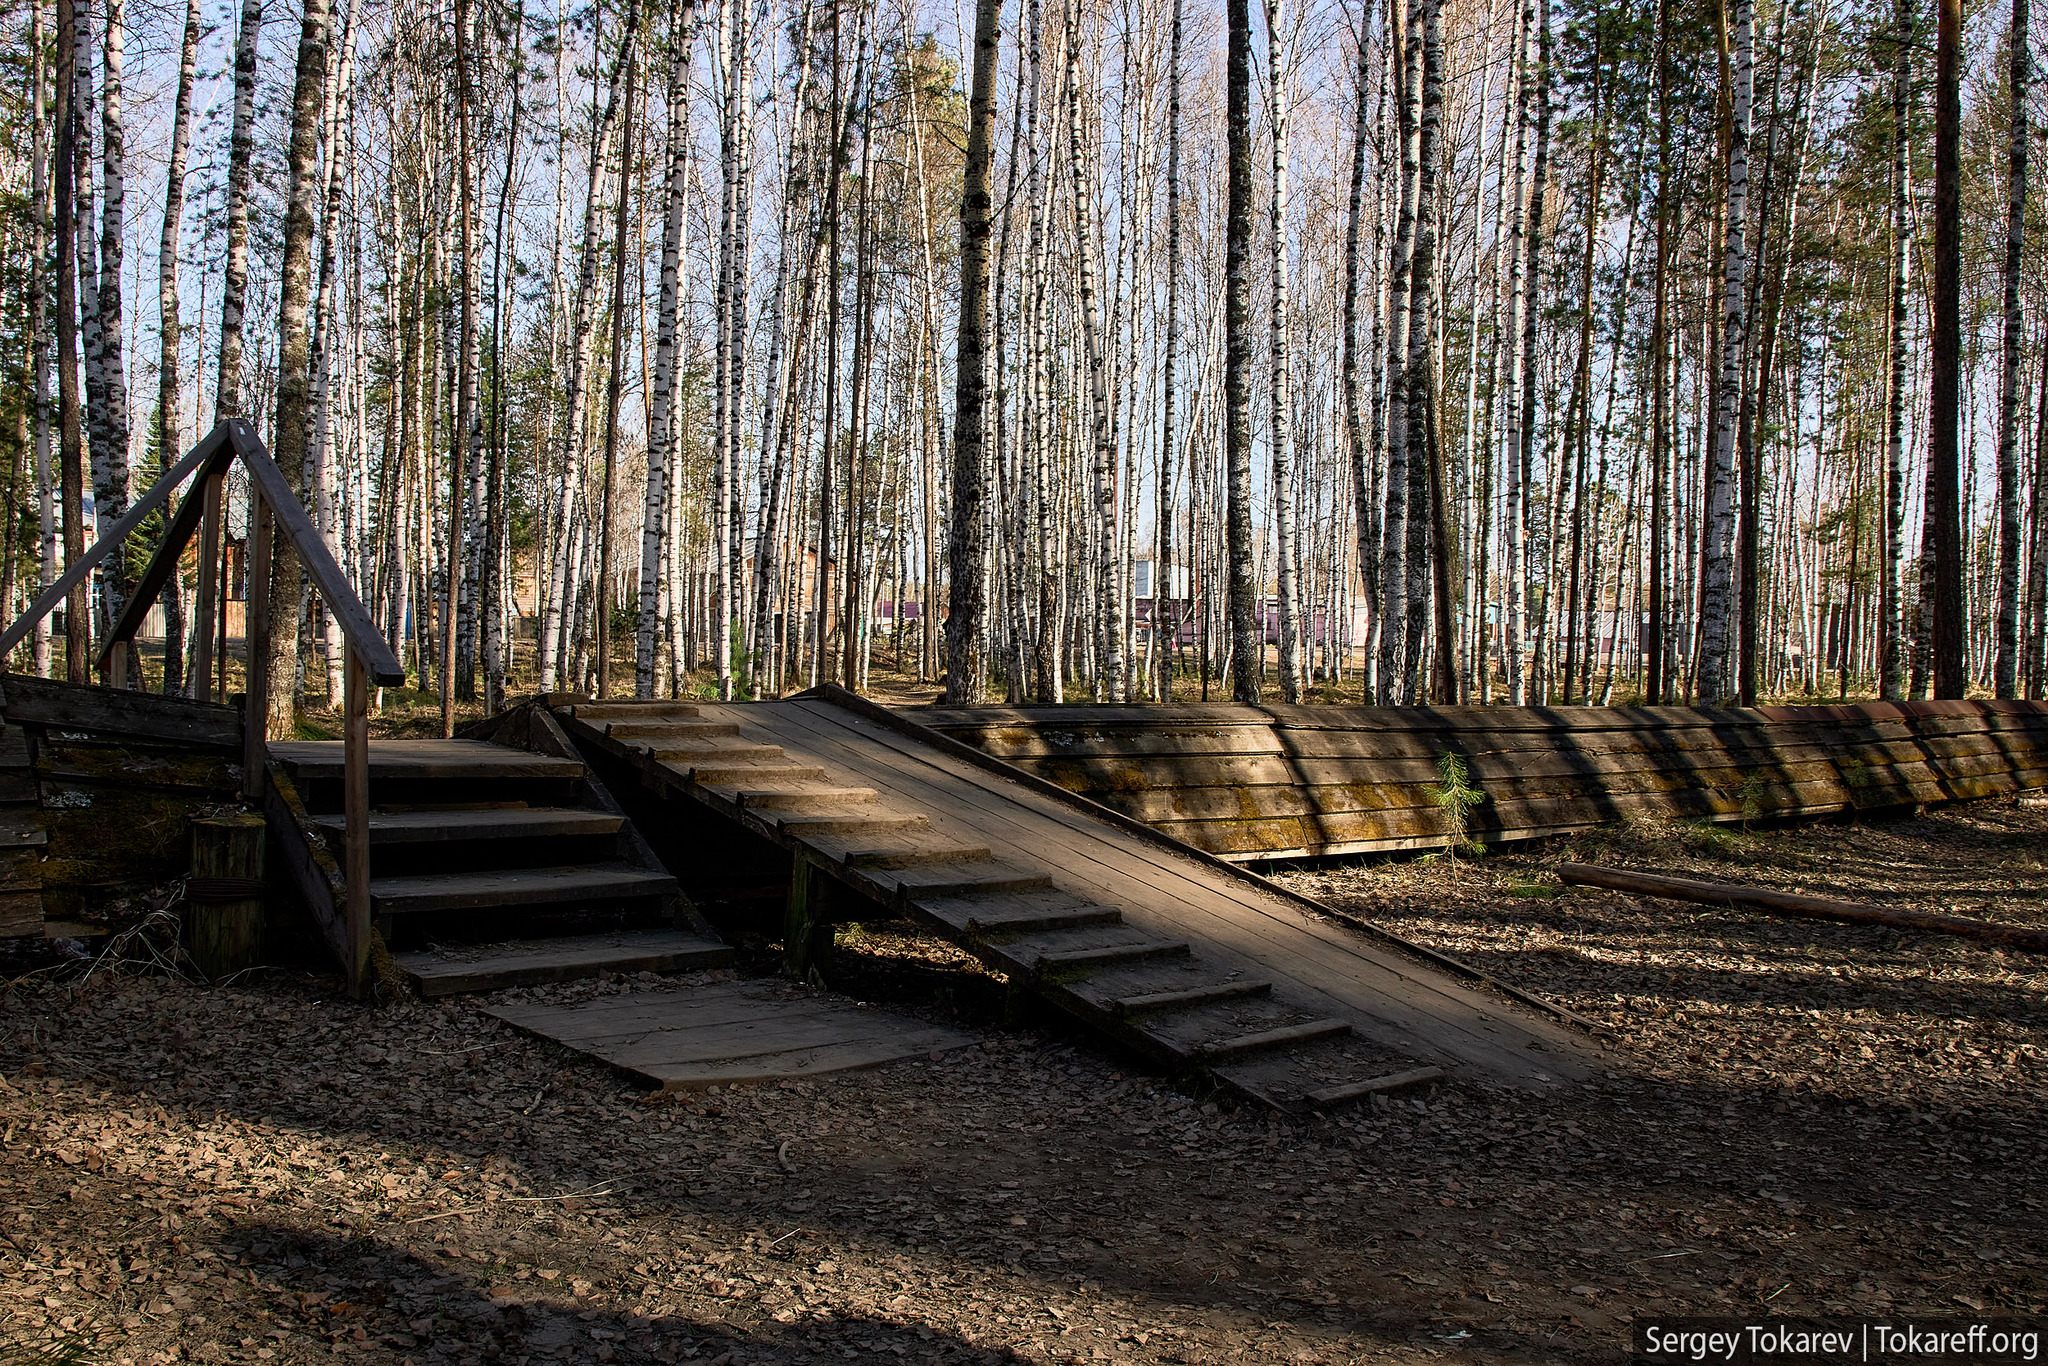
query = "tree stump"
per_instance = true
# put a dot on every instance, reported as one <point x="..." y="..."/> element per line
<point x="224" y="896"/>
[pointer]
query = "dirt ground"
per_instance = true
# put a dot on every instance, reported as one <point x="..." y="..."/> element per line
<point x="1792" y="1117"/>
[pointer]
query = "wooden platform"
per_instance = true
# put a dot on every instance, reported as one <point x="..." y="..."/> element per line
<point x="449" y="971"/>
<point x="1274" y="781"/>
<point x="1200" y="965"/>
<point x="687" y="1037"/>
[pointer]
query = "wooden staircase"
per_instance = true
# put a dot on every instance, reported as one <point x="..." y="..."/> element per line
<point x="1187" y="1008"/>
<point x="492" y="866"/>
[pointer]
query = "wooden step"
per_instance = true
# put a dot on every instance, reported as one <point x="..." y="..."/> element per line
<point x="409" y="760"/>
<point x="1133" y="952"/>
<point x="571" y="885"/>
<point x="812" y="827"/>
<point x="896" y="860"/>
<point x="1016" y="913"/>
<point x="491" y="967"/>
<point x="1286" y="1036"/>
<point x="1356" y="1090"/>
<point x="975" y="878"/>
<point x="709" y="752"/>
<point x="448" y="827"/>
<point x="797" y="801"/>
<point x="1189" y="996"/>
<point x="680" y="728"/>
<point x="731" y="773"/>
<point x="594" y="713"/>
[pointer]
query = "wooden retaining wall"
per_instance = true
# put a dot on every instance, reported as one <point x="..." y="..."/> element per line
<point x="1261" y="782"/>
<point x="106" y="780"/>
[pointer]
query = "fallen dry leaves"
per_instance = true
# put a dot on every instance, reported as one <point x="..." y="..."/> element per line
<point x="1794" y="1116"/>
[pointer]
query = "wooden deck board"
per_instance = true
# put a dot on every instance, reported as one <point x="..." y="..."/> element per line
<point x="425" y="759"/>
<point x="731" y="1032"/>
<point x="1406" y="1004"/>
<point x="529" y="962"/>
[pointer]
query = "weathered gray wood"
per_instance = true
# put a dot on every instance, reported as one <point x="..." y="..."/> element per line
<point x="355" y="826"/>
<point x="21" y="913"/>
<point x="313" y="871"/>
<point x="496" y="823"/>
<point x="2033" y="940"/>
<point x="571" y="885"/>
<point x="162" y="564"/>
<point x="421" y="759"/>
<point x="225" y="931"/>
<point x="448" y="972"/>
<point x="204" y="599"/>
<point x="138" y="512"/>
<point x="1337" y="1095"/>
<point x="115" y="712"/>
<point x="732" y="1033"/>
<point x="336" y="593"/>
<point x="256" y="633"/>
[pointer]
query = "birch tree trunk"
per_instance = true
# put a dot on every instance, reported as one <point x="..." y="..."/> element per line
<point x="1281" y="393"/>
<point x="227" y="394"/>
<point x="661" y="413"/>
<point x="1717" y="589"/>
<point x="1109" y="629"/>
<point x="561" y="605"/>
<point x="39" y="327"/>
<point x="1165" y="613"/>
<point x="2005" y="672"/>
<point x="1522" y="253"/>
<point x="966" y="549"/>
<point x="170" y="441"/>
<point x="1395" y="644"/>
<point x="288" y="437"/>
<point x="110" y="447"/>
<point x="70" y="428"/>
<point x="1246" y="633"/>
<point x="1943" y="550"/>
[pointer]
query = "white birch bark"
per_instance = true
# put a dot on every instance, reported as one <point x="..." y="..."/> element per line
<point x="1713" y="682"/>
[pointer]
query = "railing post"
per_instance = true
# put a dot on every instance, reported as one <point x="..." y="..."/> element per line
<point x="256" y="643"/>
<point x="355" y="801"/>
<point x="117" y="665"/>
<point x="209" y="580"/>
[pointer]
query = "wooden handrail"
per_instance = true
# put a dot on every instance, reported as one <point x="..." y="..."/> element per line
<point x="272" y="504"/>
<point x="241" y="443"/>
<point x="75" y="572"/>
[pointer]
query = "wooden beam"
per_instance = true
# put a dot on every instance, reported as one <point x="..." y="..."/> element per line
<point x="355" y="803"/>
<point x="209" y="584"/>
<point x="256" y="642"/>
<point x="75" y="573"/>
<point x="1792" y="903"/>
<point x="333" y="585"/>
<point x="164" y="562"/>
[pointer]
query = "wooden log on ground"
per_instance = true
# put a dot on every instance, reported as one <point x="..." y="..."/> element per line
<point x="1792" y="903"/>
<point x="224" y="897"/>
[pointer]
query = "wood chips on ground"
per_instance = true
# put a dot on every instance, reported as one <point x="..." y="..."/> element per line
<point x="1797" y="1117"/>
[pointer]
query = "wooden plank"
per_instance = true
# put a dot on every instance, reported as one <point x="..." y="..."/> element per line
<point x="314" y="872"/>
<point x="732" y="1032"/>
<point x="90" y="709"/>
<point x="418" y="759"/>
<point x="138" y="512"/>
<point x="491" y="967"/>
<point x="490" y="888"/>
<point x="163" y="562"/>
<point x="507" y="823"/>
<point x="21" y="913"/>
<point x="1405" y="1004"/>
<point x="336" y="593"/>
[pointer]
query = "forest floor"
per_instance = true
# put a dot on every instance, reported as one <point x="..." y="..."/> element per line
<point x="1791" y="1118"/>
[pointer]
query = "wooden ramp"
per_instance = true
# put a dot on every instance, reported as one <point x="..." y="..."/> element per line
<point x="727" y="1033"/>
<point x="1202" y="967"/>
